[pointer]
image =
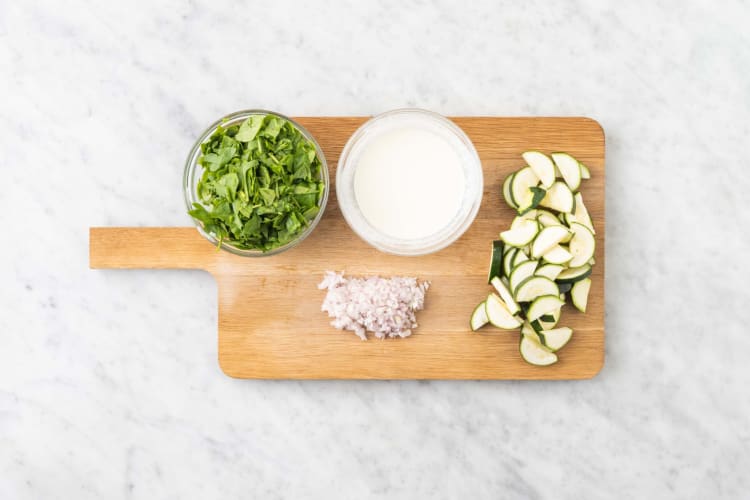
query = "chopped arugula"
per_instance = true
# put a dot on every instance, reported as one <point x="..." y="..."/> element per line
<point x="261" y="183"/>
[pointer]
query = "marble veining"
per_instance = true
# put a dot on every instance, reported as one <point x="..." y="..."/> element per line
<point x="109" y="386"/>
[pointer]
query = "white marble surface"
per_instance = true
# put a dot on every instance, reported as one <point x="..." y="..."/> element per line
<point x="109" y="386"/>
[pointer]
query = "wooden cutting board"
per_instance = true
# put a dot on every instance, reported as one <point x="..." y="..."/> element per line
<point x="270" y="323"/>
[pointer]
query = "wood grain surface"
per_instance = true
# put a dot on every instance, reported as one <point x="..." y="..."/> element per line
<point x="270" y="323"/>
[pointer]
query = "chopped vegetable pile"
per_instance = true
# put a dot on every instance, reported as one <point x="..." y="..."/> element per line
<point x="385" y="307"/>
<point x="261" y="183"/>
<point x="547" y="252"/>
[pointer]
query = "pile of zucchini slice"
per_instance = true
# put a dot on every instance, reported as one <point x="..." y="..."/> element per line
<point x="548" y="252"/>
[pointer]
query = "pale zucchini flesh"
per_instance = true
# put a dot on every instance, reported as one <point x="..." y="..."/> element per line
<point x="557" y="255"/>
<point x="520" y="185"/>
<point x="579" y="294"/>
<point x="544" y="304"/>
<point x="499" y="315"/>
<point x="559" y="197"/>
<point x="535" y="286"/>
<point x="582" y="245"/>
<point x="521" y="272"/>
<point x="569" y="168"/>
<point x="505" y="294"/>
<point x="535" y="353"/>
<point x="547" y="239"/>
<point x="555" y="339"/>
<point x="479" y="317"/>
<point x="522" y="235"/>
<point x="542" y="166"/>
<point x="551" y="271"/>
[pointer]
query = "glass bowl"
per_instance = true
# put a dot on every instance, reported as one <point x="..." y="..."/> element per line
<point x="448" y="131"/>
<point x="194" y="171"/>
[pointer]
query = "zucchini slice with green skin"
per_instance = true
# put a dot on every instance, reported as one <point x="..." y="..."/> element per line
<point x="496" y="260"/>
<point x="546" y="219"/>
<point x="585" y="172"/>
<point x="506" y="191"/>
<point x="557" y="255"/>
<point x="521" y="272"/>
<point x="520" y="184"/>
<point x="498" y="315"/>
<point x="507" y="297"/>
<point x="535" y="286"/>
<point x="569" y="168"/>
<point x="535" y="353"/>
<point x="551" y="271"/>
<point x="542" y="166"/>
<point x="564" y="287"/>
<point x="537" y="195"/>
<point x="528" y="331"/>
<point x="547" y="239"/>
<point x="510" y="252"/>
<point x="581" y="214"/>
<point x="582" y="245"/>
<point x="574" y="274"/>
<point x="519" y="259"/>
<point x="559" y="197"/>
<point x="546" y="321"/>
<point x="555" y="339"/>
<point x="522" y="235"/>
<point x="479" y="317"/>
<point x="579" y="294"/>
<point x="544" y="304"/>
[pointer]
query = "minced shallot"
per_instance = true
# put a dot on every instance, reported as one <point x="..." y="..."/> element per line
<point x="385" y="307"/>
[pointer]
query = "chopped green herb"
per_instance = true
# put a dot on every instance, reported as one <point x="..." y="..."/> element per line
<point x="261" y="184"/>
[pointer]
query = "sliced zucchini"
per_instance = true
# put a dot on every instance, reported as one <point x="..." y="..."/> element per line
<point x="544" y="304"/>
<point x="548" y="238"/>
<point x="555" y="339"/>
<point x="518" y="259"/>
<point x="537" y="195"/>
<point x="510" y="252"/>
<point x="580" y="294"/>
<point x="521" y="272"/>
<point x="506" y="191"/>
<point x="520" y="185"/>
<point x="581" y="214"/>
<point x="528" y="331"/>
<point x="496" y="260"/>
<point x="557" y="255"/>
<point x="569" y="168"/>
<point x="505" y="294"/>
<point x="498" y="315"/>
<point x="535" y="286"/>
<point x="564" y="287"/>
<point x="559" y="197"/>
<point x="542" y="166"/>
<point x="530" y="215"/>
<point x="522" y="235"/>
<point x="582" y="245"/>
<point x="551" y="271"/>
<point x="546" y="219"/>
<point x="574" y="274"/>
<point x="479" y="317"/>
<point x="546" y="321"/>
<point x="585" y="172"/>
<point x="535" y="353"/>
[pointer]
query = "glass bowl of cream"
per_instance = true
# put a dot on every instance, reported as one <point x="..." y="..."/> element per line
<point x="409" y="182"/>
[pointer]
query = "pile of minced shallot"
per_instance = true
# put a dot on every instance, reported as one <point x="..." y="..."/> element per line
<point x="385" y="307"/>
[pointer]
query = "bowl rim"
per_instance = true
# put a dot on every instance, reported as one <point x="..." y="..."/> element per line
<point x="191" y="163"/>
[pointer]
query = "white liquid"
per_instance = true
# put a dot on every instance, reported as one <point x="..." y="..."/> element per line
<point x="409" y="182"/>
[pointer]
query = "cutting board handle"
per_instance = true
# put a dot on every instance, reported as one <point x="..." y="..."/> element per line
<point x="150" y="248"/>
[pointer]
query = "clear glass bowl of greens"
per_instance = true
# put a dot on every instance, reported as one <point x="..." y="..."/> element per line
<point x="256" y="183"/>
